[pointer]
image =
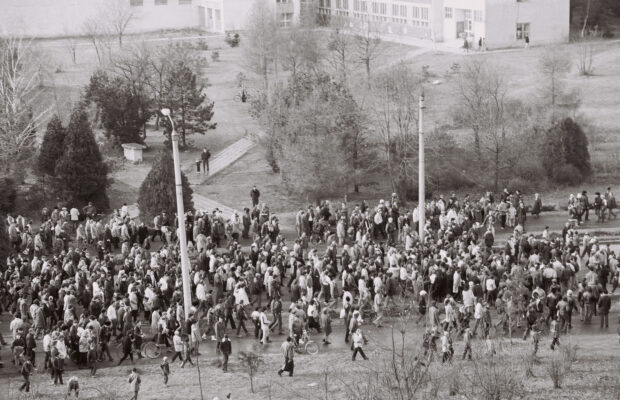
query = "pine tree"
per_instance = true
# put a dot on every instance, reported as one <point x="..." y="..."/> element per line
<point x="190" y="108"/>
<point x="81" y="174"/>
<point x="51" y="147"/>
<point x="157" y="192"/>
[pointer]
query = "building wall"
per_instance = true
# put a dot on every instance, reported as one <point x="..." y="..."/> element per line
<point x="548" y="19"/>
<point x="49" y="18"/>
<point x="467" y="12"/>
<point x="399" y="17"/>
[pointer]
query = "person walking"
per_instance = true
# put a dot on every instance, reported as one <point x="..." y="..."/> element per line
<point x="134" y="380"/>
<point x="358" y="342"/>
<point x="255" y="196"/>
<point x="226" y="349"/>
<point x="178" y="346"/>
<point x="186" y="350"/>
<point x="264" y="324"/>
<point x="205" y="156"/>
<point x="288" y="351"/>
<point x="91" y="357"/>
<point x="554" y="329"/>
<point x="165" y="370"/>
<point x="467" y="343"/>
<point x="241" y="318"/>
<point x="604" y="304"/>
<point x="26" y="372"/>
<point x="127" y="348"/>
<point x="326" y="322"/>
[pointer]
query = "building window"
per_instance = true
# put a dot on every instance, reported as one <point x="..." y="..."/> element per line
<point x="161" y="2"/>
<point x="136" y="3"/>
<point x="364" y="6"/>
<point x="425" y="14"/>
<point x="403" y="11"/>
<point x="395" y="10"/>
<point x="448" y="12"/>
<point x="478" y="15"/>
<point x="356" y="5"/>
<point x="383" y="9"/>
<point x="523" y="31"/>
<point x="185" y="2"/>
<point x="345" y="4"/>
<point x="416" y="12"/>
<point x="375" y="8"/>
<point x="286" y="19"/>
<point x="467" y="14"/>
<point x="338" y="4"/>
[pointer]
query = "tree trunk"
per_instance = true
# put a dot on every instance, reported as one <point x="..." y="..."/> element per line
<point x="585" y="19"/>
<point x="496" y="179"/>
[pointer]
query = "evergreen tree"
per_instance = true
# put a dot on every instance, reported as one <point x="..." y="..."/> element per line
<point x="157" y="192"/>
<point x="189" y="106"/>
<point x="565" y="156"/>
<point x="81" y="174"/>
<point x="51" y="147"/>
<point x="123" y="112"/>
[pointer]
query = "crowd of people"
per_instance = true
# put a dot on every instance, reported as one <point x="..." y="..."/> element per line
<point x="76" y="284"/>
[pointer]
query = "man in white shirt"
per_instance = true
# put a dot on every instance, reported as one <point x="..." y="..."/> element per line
<point x="47" y="343"/>
<point x="477" y="315"/>
<point x="264" y="324"/>
<point x="112" y="316"/>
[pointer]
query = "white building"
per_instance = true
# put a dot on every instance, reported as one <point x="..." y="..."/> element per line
<point x="54" y="18"/>
<point x="502" y="23"/>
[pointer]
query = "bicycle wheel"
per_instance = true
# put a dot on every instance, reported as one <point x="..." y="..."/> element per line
<point x="312" y="348"/>
<point x="151" y="350"/>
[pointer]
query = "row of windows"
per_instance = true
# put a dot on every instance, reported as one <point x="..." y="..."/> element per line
<point x="449" y="14"/>
<point x="140" y="3"/>
<point x="381" y="9"/>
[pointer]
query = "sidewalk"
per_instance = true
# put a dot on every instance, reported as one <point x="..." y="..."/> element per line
<point x="218" y="163"/>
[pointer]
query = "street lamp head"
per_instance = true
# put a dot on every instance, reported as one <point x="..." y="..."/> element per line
<point x="165" y="112"/>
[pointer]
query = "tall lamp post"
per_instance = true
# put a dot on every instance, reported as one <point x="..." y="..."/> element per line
<point x="421" y="181"/>
<point x="187" y="294"/>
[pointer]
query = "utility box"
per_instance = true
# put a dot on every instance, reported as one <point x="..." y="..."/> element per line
<point x="133" y="151"/>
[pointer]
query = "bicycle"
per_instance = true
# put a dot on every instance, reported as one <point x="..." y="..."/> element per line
<point x="151" y="350"/>
<point x="306" y="346"/>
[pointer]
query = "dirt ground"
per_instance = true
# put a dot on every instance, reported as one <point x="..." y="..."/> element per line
<point x="330" y="375"/>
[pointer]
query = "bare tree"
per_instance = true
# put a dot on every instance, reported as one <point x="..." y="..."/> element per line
<point x="367" y="48"/>
<point x="21" y="113"/>
<point x="340" y="51"/>
<point x="396" y="116"/>
<point x="71" y="43"/>
<point x="472" y="81"/>
<point x="261" y="43"/>
<point x="94" y="32"/>
<point x="118" y="15"/>
<point x="554" y="64"/>
<point x="299" y="50"/>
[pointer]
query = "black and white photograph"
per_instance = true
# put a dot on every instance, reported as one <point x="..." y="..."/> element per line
<point x="309" y="199"/>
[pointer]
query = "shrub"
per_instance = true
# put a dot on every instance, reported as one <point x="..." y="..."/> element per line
<point x="157" y="192"/>
<point x="529" y="359"/>
<point x="566" y="143"/>
<point x="8" y="193"/>
<point x="215" y="56"/>
<point x="557" y="371"/>
<point x="51" y="147"/>
<point x="567" y="174"/>
<point x="569" y="355"/>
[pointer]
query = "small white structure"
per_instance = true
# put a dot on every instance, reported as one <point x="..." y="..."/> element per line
<point x="133" y="151"/>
